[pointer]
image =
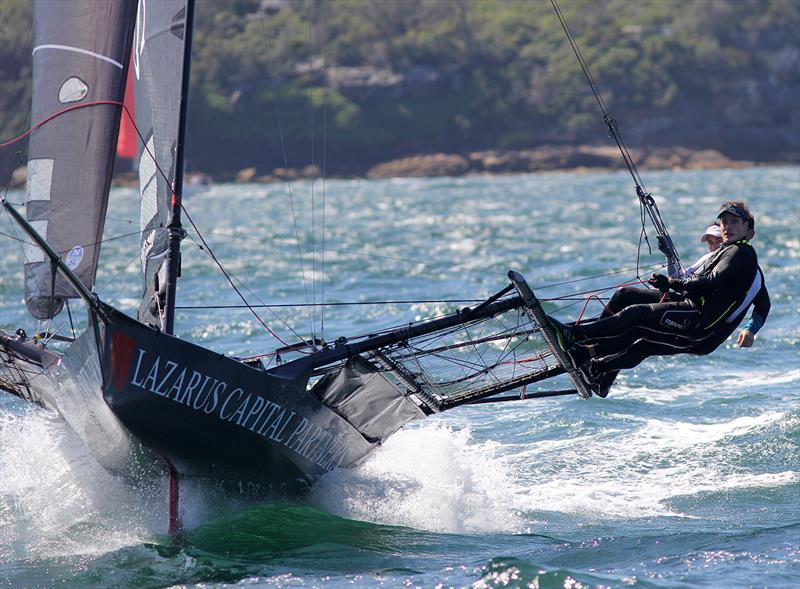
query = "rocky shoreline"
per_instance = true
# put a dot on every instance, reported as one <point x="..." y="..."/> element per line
<point x="583" y="158"/>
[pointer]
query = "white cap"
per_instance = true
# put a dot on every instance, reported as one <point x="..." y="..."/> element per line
<point x="713" y="230"/>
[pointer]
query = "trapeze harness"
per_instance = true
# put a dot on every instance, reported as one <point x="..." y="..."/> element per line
<point x="706" y="308"/>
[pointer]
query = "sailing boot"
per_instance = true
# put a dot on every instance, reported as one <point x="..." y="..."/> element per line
<point x="568" y="342"/>
<point x="564" y="333"/>
<point x="604" y="383"/>
<point x="579" y="355"/>
<point x="592" y="374"/>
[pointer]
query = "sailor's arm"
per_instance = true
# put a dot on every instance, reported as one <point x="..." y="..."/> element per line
<point x="724" y="275"/>
<point x="761" y="307"/>
<point x="673" y="270"/>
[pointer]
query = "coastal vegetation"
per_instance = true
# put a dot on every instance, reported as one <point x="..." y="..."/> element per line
<point x="344" y="85"/>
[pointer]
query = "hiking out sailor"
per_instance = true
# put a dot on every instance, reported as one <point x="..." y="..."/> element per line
<point x="713" y="238"/>
<point x="630" y="295"/>
<point x="700" y="312"/>
<point x="626" y="295"/>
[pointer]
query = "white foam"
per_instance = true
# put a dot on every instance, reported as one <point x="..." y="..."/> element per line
<point x="56" y="499"/>
<point x="436" y="478"/>
<point x="701" y="384"/>
<point x="59" y="500"/>
<point x="632" y="474"/>
<point x="428" y="478"/>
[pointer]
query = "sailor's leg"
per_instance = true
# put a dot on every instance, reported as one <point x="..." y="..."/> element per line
<point x="637" y="321"/>
<point x="663" y="330"/>
<point x="605" y="381"/>
<point x="633" y="355"/>
<point x="629" y="295"/>
<point x="604" y="371"/>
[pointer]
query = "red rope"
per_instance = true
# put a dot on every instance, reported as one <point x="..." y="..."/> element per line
<point x="586" y="304"/>
<point x="593" y="295"/>
<point x="58" y="114"/>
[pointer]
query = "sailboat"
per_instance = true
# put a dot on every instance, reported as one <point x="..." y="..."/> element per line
<point x="142" y="398"/>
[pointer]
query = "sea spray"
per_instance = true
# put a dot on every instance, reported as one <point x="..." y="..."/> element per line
<point x="56" y="499"/>
<point x="428" y="478"/>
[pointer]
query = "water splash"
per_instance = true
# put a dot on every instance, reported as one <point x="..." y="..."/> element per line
<point x="428" y="478"/>
<point x="55" y="499"/>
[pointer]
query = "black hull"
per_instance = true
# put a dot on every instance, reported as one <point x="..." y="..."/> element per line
<point x="213" y="416"/>
<point x="139" y="397"/>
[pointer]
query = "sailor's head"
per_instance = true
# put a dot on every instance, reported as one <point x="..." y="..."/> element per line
<point x="712" y="237"/>
<point x="734" y="220"/>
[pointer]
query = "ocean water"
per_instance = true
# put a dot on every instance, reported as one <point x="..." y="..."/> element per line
<point x="687" y="475"/>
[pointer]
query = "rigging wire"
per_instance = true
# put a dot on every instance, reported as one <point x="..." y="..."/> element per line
<point x="228" y="275"/>
<point x="288" y="181"/>
<point x="203" y="247"/>
<point x="323" y="276"/>
<point x="347" y="304"/>
<point x="94" y="243"/>
<point x="428" y="301"/>
<point x="646" y="202"/>
<point x="230" y="280"/>
<point x="419" y="261"/>
<point x="312" y="316"/>
<point x="166" y="179"/>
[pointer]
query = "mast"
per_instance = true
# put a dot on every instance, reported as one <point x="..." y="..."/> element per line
<point x="175" y="229"/>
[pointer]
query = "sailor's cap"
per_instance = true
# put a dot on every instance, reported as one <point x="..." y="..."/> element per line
<point x="729" y="207"/>
<point x="712" y="231"/>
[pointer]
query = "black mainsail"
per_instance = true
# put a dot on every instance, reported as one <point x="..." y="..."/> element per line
<point x="79" y="56"/>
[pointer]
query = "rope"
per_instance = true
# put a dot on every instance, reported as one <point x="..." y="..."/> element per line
<point x="353" y="303"/>
<point x="208" y="249"/>
<point x="230" y="280"/>
<point x="57" y="114"/>
<point x="307" y="304"/>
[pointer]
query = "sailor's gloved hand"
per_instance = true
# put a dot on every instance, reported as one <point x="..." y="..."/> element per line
<point x="663" y="246"/>
<point x="659" y="281"/>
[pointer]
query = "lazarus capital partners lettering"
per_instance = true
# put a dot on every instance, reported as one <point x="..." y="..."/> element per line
<point x="212" y="396"/>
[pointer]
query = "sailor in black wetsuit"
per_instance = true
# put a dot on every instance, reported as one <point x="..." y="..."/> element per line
<point x="702" y="310"/>
<point x="631" y="295"/>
